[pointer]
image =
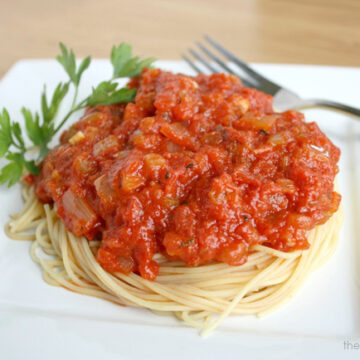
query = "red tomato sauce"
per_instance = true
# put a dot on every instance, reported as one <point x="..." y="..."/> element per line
<point x="198" y="169"/>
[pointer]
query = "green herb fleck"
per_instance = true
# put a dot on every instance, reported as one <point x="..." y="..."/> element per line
<point x="187" y="242"/>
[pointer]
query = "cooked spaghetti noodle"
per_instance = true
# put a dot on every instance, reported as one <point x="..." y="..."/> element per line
<point x="193" y="294"/>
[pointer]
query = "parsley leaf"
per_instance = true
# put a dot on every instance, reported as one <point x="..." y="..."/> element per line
<point x="5" y="133"/>
<point x="124" y="65"/>
<point x="31" y="167"/>
<point x="67" y="60"/>
<point x="83" y="66"/>
<point x="11" y="173"/>
<point x="16" y="130"/>
<point x="100" y="93"/>
<point x="49" y="112"/>
<point x="42" y="126"/>
<point x="106" y="94"/>
<point x="123" y="95"/>
<point x="33" y="128"/>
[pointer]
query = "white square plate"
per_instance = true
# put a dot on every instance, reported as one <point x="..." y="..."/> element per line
<point x="38" y="321"/>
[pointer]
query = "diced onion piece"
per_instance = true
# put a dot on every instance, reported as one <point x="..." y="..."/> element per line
<point x="320" y="154"/>
<point x="180" y="135"/>
<point x="55" y="174"/>
<point x="216" y="197"/>
<point x="243" y="104"/>
<point x="83" y="216"/>
<point x="91" y="132"/>
<point x="83" y="164"/>
<point x="318" y="148"/>
<point x="147" y="124"/>
<point x="76" y="138"/>
<point x="172" y="147"/>
<point x="300" y="221"/>
<point x="122" y="154"/>
<point x="109" y="144"/>
<point x="277" y="139"/>
<point x="126" y="264"/>
<point x="138" y="138"/>
<point x="103" y="189"/>
<point x="212" y="138"/>
<point x="131" y="182"/>
<point x="146" y="142"/>
<point x="261" y="121"/>
<point x="113" y="263"/>
<point x="94" y="118"/>
<point x="287" y="185"/>
<point x="170" y="202"/>
<point x="262" y="149"/>
<point x="154" y="162"/>
<point x="194" y="84"/>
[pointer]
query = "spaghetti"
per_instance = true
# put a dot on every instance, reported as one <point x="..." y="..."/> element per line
<point x="196" y="199"/>
<point x="193" y="294"/>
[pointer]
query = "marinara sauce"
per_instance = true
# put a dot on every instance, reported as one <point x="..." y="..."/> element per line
<point x="198" y="169"/>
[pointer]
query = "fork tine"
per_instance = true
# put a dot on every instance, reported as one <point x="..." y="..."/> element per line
<point x="214" y="57"/>
<point x="208" y="66"/>
<point x="192" y="64"/>
<point x="221" y="63"/>
<point x="261" y="80"/>
<point x="203" y="61"/>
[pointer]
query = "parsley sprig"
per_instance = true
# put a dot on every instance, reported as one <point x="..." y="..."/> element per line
<point x="42" y="127"/>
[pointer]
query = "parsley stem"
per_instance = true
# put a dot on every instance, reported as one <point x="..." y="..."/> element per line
<point x="64" y="120"/>
<point x="75" y="96"/>
<point x="72" y="110"/>
<point x="18" y="146"/>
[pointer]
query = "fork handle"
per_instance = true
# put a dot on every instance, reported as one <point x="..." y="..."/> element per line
<point x="310" y="103"/>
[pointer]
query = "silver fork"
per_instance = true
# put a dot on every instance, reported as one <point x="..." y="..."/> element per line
<point x="284" y="99"/>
